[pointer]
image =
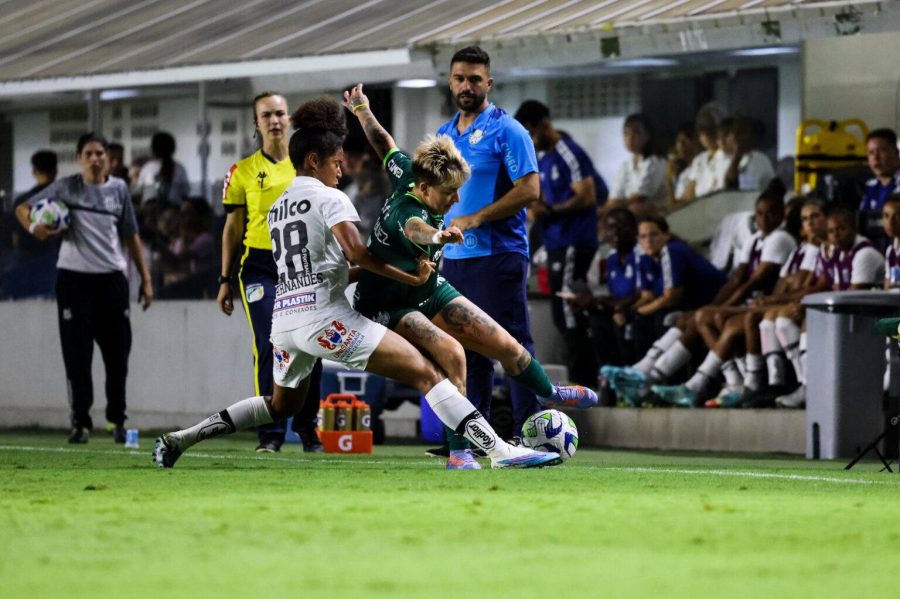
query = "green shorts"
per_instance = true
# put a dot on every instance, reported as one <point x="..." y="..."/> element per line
<point x="443" y="294"/>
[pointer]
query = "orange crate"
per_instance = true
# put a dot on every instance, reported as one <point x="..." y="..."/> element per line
<point x="346" y="441"/>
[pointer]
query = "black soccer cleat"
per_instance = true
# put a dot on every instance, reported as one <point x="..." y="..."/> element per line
<point x="166" y="452"/>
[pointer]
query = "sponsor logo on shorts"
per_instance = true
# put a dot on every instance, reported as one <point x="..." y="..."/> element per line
<point x="340" y="341"/>
<point x="282" y="358"/>
<point x="254" y="293"/>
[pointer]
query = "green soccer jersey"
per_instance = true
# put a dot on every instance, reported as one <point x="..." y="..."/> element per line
<point x="389" y="242"/>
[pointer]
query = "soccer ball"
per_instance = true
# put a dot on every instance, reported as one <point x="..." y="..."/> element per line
<point x="551" y="430"/>
<point x="51" y="213"/>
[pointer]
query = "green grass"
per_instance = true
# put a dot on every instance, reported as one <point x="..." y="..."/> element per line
<point x="99" y="521"/>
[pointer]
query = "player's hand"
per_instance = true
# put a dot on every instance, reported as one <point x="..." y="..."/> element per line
<point x="424" y="269"/>
<point x="355" y="98"/>
<point x="44" y="232"/>
<point x="465" y="223"/>
<point x="145" y="294"/>
<point x="225" y="299"/>
<point x="450" y="235"/>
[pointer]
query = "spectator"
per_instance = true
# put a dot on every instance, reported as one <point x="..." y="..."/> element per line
<point x="706" y="170"/>
<point x="490" y="267"/>
<point x="641" y="181"/>
<point x="855" y="263"/>
<point x="162" y="179"/>
<point x="189" y="257"/>
<point x="890" y="218"/>
<point x="884" y="162"/>
<point x="678" y="168"/>
<point x="750" y="170"/>
<point x="117" y="166"/>
<point x="671" y="276"/>
<point x="91" y="289"/>
<point x="568" y="219"/>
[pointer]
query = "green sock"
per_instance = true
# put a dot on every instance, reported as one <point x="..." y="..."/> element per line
<point x="535" y="379"/>
<point x="456" y="441"/>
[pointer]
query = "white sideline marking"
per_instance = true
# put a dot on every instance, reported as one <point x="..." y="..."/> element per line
<point x="299" y="460"/>
<point x="751" y="474"/>
<point x="145" y="453"/>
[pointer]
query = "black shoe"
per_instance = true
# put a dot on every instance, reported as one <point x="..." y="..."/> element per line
<point x="119" y="434"/>
<point x="79" y="435"/>
<point x="439" y="452"/>
<point x="269" y="446"/>
<point x="762" y="398"/>
<point x="310" y="441"/>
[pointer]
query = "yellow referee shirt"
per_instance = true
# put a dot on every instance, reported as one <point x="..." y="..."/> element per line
<point x="255" y="183"/>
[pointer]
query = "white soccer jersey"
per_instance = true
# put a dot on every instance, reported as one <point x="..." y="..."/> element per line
<point x="312" y="270"/>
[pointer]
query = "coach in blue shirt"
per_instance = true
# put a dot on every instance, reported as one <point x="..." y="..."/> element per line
<point x="490" y="267"/>
<point x="570" y="191"/>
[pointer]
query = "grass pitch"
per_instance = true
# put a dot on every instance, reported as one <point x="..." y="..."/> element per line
<point x="100" y="521"/>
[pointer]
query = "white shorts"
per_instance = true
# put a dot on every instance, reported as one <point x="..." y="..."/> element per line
<point x="344" y="336"/>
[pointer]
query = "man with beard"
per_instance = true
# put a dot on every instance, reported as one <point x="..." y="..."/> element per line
<point x="490" y="266"/>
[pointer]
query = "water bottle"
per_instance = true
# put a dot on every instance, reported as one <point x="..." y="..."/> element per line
<point x="131" y="438"/>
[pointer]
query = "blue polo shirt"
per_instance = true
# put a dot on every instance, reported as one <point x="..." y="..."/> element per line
<point x="499" y="151"/>
<point x="562" y="166"/>
<point x="876" y="193"/>
<point x="622" y="272"/>
<point x="680" y="266"/>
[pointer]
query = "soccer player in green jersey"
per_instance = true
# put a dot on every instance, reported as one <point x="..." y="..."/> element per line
<point x="435" y="316"/>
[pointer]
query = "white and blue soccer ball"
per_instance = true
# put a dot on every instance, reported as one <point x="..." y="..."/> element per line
<point x="551" y="430"/>
<point x="52" y="213"/>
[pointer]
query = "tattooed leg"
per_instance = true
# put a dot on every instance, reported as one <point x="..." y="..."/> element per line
<point x="443" y="349"/>
<point x="478" y="332"/>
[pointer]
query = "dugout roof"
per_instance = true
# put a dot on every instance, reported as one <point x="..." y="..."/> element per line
<point x="57" y="45"/>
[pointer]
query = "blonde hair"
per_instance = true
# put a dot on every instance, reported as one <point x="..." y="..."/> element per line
<point x="437" y="162"/>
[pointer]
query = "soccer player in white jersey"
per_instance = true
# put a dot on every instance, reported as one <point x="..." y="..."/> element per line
<point x="312" y="229"/>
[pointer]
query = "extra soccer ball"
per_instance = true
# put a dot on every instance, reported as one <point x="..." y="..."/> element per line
<point x="51" y="213"/>
<point x="551" y="430"/>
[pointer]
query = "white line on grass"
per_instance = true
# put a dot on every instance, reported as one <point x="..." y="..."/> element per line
<point x="751" y="474"/>
<point x="300" y="460"/>
<point x="207" y="456"/>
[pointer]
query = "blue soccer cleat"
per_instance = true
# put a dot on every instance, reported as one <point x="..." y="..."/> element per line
<point x="166" y="451"/>
<point x="462" y="459"/>
<point x="677" y="395"/>
<point x="522" y="457"/>
<point x="570" y="396"/>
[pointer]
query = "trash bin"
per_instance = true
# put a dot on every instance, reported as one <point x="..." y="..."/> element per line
<point x="845" y="370"/>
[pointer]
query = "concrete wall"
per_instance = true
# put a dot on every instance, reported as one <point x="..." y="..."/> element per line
<point x="187" y="361"/>
<point x="853" y="76"/>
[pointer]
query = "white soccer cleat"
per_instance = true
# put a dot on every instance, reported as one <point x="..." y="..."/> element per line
<point x="522" y="457"/>
<point x="166" y="451"/>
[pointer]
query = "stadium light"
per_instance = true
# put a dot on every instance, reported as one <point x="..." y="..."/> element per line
<point x="117" y="94"/>
<point x="632" y="63"/>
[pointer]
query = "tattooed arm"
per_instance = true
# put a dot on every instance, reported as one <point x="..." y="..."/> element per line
<point x="356" y="102"/>
<point x="421" y="233"/>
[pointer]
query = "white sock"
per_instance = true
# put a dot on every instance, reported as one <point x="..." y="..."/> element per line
<point x="756" y="370"/>
<point x="741" y="363"/>
<point x="768" y="340"/>
<point x="247" y="413"/>
<point x="788" y="333"/>
<point x="776" y="367"/>
<point x="669" y="362"/>
<point x="659" y="346"/>
<point x="733" y="377"/>
<point x="457" y="412"/>
<point x="801" y="359"/>
<point x="706" y="373"/>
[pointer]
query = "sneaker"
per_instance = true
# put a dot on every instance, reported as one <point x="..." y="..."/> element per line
<point x="676" y="395"/>
<point x="79" y="435"/>
<point x="462" y="459"/>
<point x="268" y="446"/>
<point x="310" y="441"/>
<point x="521" y="457"/>
<point x="166" y="451"/>
<point x="570" y="396"/>
<point x="797" y="398"/>
<point x="118" y="434"/>
<point x="890" y="327"/>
